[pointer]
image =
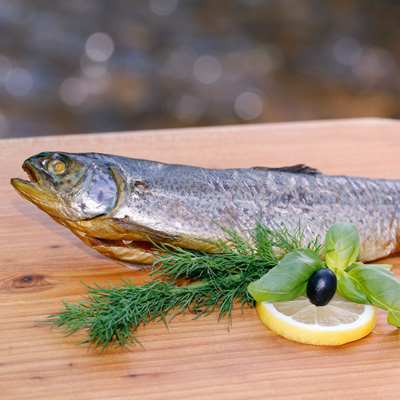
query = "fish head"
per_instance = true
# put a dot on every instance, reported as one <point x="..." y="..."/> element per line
<point x="91" y="195"/>
<point x="68" y="186"/>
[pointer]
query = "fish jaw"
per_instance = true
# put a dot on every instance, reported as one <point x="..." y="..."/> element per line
<point x="37" y="191"/>
<point x="31" y="191"/>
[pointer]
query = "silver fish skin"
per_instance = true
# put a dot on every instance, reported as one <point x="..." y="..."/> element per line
<point x="115" y="204"/>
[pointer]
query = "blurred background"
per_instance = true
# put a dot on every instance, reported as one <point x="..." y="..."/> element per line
<point x="98" y="66"/>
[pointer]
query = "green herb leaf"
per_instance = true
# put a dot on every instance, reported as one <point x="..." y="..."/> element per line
<point x="386" y="267"/>
<point x="342" y="245"/>
<point x="288" y="279"/>
<point x="394" y="318"/>
<point x="354" y="265"/>
<point x="111" y="315"/>
<point x="349" y="288"/>
<point x="381" y="288"/>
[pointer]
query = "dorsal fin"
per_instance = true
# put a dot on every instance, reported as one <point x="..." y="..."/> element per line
<point x="293" y="169"/>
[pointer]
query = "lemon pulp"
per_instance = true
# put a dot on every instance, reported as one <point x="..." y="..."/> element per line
<point x="339" y="322"/>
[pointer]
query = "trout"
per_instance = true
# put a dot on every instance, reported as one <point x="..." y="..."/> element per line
<point x="119" y="206"/>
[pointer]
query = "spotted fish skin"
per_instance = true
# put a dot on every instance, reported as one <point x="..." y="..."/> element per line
<point x="116" y="204"/>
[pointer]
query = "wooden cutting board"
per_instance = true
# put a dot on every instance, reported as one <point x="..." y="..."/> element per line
<point x="43" y="263"/>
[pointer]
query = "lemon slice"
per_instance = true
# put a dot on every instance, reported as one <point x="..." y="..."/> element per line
<point x="339" y="322"/>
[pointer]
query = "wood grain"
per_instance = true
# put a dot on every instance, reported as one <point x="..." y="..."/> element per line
<point x="42" y="263"/>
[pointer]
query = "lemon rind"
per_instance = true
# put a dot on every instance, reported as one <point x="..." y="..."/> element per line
<point x="315" y="334"/>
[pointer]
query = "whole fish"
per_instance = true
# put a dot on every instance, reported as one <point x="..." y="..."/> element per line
<point x="118" y="205"/>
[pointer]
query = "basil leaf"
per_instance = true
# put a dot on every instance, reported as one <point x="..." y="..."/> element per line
<point x="394" y="318"/>
<point x="386" y="267"/>
<point x="382" y="289"/>
<point x="354" y="265"/>
<point x="349" y="288"/>
<point x="342" y="245"/>
<point x="288" y="279"/>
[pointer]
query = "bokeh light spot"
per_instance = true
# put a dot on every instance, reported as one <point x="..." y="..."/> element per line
<point x="19" y="82"/>
<point x="99" y="47"/>
<point x="347" y="51"/>
<point x="207" y="69"/>
<point x="163" y="7"/>
<point x="248" y="105"/>
<point x="73" y="91"/>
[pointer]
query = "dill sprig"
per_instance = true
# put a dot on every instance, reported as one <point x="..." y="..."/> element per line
<point x="182" y="281"/>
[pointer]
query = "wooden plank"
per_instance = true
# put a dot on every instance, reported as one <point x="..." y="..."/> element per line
<point x="43" y="263"/>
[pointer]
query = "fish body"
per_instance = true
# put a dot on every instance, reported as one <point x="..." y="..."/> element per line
<point x="117" y="205"/>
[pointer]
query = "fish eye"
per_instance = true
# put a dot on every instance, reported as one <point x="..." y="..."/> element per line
<point x="56" y="167"/>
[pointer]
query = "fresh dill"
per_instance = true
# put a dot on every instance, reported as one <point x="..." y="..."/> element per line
<point x="182" y="281"/>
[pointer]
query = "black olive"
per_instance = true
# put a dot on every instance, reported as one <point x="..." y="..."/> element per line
<point x="321" y="286"/>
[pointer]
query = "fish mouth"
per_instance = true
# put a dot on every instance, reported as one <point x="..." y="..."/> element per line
<point x="31" y="189"/>
<point x="30" y="171"/>
<point x="32" y="175"/>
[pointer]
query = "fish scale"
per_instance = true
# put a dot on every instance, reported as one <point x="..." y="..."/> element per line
<point x="117" y="204"/>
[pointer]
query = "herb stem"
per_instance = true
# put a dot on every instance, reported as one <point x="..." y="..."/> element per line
<point x="218" y="280"/>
